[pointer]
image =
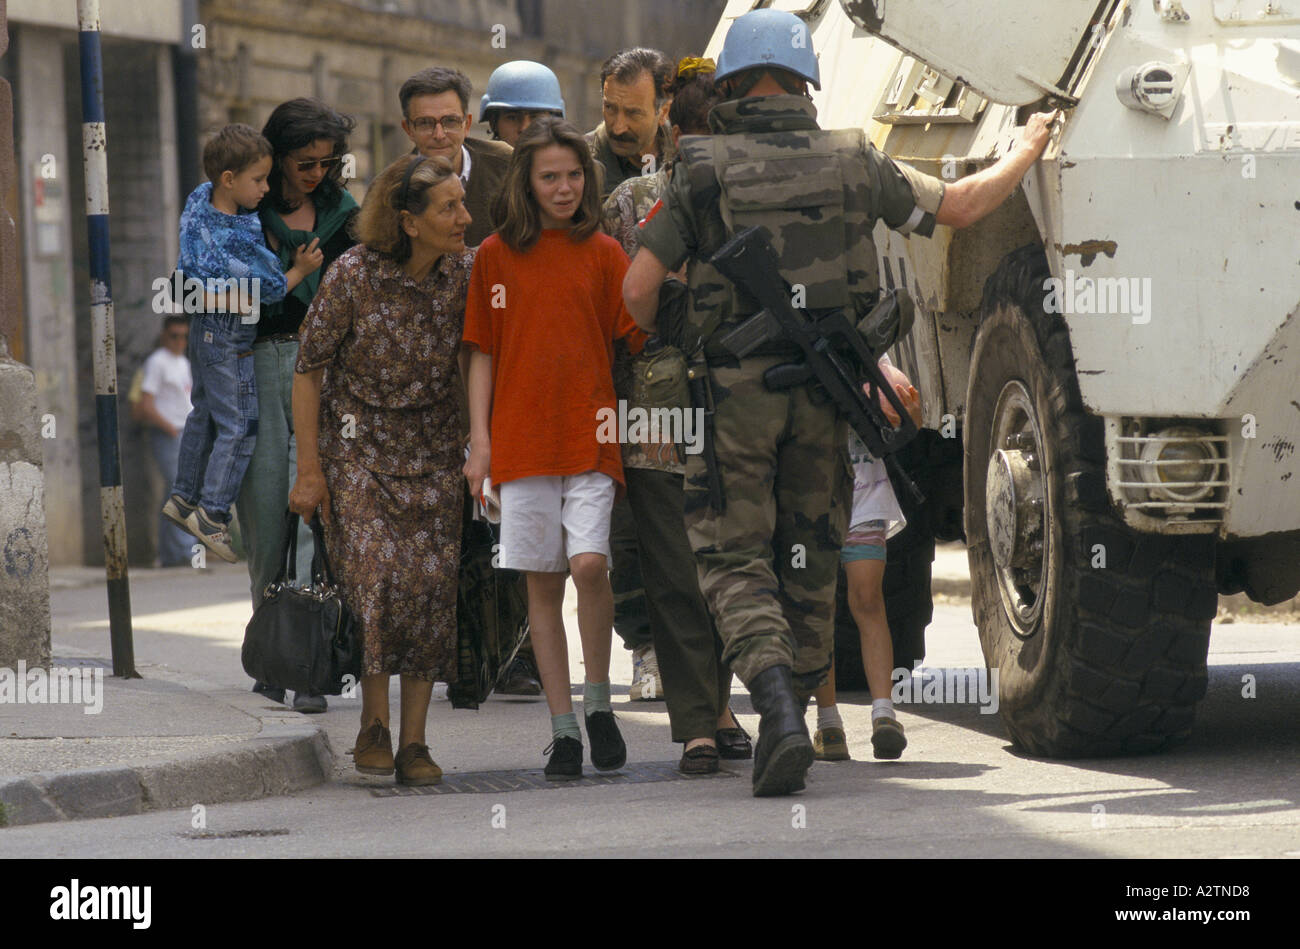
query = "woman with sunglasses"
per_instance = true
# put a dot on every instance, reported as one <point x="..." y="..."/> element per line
<point x="306" y="214"/>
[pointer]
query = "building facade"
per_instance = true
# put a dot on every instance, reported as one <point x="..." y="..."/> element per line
<point x="176" y="70"/>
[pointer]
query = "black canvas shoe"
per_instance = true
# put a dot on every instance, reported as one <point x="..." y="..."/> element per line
<point x="565" y="763"/>
<point x="608" y="752"/>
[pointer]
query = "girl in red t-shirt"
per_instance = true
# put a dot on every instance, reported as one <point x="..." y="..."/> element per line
<point x="545" y="306"/>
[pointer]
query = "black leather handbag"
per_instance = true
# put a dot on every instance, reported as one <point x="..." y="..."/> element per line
<point x="303" y="639"/>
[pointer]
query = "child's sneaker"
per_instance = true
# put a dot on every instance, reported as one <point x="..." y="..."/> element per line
<point x="214" y="534"/>
<point x="178" y="511"/>
<point x="608" y="752"/>
<point x="887" y="739"/>
<point x="566" y="762"/>
<point x="829" y="744"/>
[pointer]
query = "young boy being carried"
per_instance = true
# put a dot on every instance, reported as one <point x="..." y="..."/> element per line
<point x="221" y="245"/>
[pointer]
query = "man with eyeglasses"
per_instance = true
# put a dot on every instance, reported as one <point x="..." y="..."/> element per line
<point x="436" y="118"/>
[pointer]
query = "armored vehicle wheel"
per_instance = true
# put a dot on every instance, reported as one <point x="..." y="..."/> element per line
<point x="907" y="572"/>
<point x="1098" y="633"/>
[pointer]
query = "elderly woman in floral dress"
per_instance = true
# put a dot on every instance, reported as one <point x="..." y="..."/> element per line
<point x="375" y="405"/>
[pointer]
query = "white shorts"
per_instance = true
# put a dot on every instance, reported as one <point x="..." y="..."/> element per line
<point x="547" y="520"/>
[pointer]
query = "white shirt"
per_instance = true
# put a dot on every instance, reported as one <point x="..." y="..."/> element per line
<point x="873" y="494"/>
<point x="466" y="161"/>
<point x="167" y="378"/>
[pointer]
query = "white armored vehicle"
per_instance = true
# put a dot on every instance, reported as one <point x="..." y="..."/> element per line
<point x="1110" y="363"/>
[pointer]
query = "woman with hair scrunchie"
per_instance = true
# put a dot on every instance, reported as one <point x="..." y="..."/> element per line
<point x="376" y="406"/>
<point x="306" y="214"/>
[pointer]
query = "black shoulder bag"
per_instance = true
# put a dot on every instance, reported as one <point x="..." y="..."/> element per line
<point x="303" y="640"/>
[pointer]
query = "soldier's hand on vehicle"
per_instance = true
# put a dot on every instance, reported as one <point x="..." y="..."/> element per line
<point x="309" y="493"/>
<point x="1037" y="131"/>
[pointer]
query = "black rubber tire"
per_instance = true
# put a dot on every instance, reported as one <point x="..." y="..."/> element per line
<point x="908" y="560"/>
<point x="1117" y="661"/>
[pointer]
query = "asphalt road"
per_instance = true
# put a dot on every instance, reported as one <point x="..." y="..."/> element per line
<point x="960" y="790"/>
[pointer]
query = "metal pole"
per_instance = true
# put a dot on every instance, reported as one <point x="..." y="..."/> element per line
<point x="95" y="150"/>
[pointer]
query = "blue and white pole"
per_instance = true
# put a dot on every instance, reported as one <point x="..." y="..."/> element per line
<point x="113" y="515"/>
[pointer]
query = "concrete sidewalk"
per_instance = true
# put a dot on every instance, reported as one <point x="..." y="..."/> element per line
<point x="169" y="739"/>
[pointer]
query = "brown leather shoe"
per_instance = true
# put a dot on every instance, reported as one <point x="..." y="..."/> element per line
<point x="702" y="759"/>
<point x="416" y="768"/>
<point x="373" y="752"/>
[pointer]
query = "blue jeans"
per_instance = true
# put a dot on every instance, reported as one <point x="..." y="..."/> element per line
<point x="222" y="427"/>
<point x="174" y="544"/>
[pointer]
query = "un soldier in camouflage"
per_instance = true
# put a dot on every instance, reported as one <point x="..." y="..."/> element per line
<point x="697" y="683"/>
<point x="767" y="559"/>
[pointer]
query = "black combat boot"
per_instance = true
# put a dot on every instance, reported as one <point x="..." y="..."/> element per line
<point x="784" y="752"/>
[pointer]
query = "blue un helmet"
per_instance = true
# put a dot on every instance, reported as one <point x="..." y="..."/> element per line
<point x="771" y="38"/>
<point x="522" y="84"/>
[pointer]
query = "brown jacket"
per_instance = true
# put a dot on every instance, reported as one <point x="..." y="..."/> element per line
<point x="489" y="162"/>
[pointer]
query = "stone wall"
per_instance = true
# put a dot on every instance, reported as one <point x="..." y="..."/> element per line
<point x="355" y="55"/>
<point x="24" y="559"/>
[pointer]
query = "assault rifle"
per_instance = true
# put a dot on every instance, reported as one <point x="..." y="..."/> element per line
<point x="838" y="356"/>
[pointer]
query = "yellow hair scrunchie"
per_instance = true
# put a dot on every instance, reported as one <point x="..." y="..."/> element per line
<point x="695" y="66"/>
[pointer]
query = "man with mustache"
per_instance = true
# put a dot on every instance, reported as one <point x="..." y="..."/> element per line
<point x="633" y="139"/>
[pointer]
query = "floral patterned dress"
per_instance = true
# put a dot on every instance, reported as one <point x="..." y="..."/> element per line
<point x="391" y="451"/>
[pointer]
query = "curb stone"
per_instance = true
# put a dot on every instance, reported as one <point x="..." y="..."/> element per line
<point x="287" y="755"/>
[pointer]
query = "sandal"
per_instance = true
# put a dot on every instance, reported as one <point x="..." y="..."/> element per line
<point x="702" y="759"/>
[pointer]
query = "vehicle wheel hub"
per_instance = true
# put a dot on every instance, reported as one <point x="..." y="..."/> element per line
<point x="1015" y="498"/>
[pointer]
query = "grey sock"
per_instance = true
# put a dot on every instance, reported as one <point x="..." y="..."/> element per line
<point x="595" y="697"/>
<point x="565" y="726"/>
<point x="829" y="717"/>
<point x="883" y="708"/>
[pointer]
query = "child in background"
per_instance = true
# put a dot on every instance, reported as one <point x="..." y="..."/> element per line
<point x="221" y="241"/>
<point x="875" y="517"/>
<point x="545" y="306"/>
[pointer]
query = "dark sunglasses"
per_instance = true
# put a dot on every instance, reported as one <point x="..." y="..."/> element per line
<point x="325" y="163"/>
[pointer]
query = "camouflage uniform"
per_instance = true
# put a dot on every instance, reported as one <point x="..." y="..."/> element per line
<point x="768" y="565"/>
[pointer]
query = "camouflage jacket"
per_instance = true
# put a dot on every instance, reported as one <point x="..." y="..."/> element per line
<point x="618" y="169"/>
<point x="626" y="206"/>
<point x="818" y="192"/>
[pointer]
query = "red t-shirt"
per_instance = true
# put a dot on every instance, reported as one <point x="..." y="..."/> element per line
<point x="548" y="318"/>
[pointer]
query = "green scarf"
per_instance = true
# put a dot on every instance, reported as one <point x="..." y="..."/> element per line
<point x="328" y="221"/>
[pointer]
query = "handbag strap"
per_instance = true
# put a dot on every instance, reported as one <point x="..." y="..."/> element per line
<point x="320" y="564"/>
<point x="288" y="551"/>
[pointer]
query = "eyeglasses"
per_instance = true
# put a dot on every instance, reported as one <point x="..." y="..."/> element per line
<point x="325" y="163"/>
<point x="451" y="124"/>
